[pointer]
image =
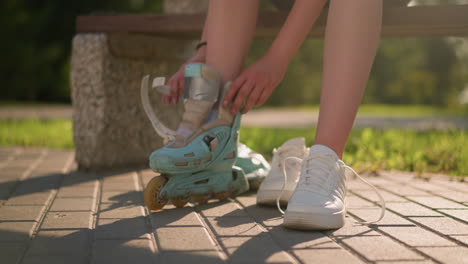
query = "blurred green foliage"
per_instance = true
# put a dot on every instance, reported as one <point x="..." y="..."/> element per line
<point x="406" y="71"/>
<point x="36" y="41"/>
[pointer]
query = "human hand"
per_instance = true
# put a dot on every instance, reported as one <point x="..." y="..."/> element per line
<point x="176" y="82"/>
<point x="255" y="84"/>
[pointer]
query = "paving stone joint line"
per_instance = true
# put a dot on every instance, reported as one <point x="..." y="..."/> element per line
<point x="418" y="223"/>
<point x="375" y="228"/>
<point x="49" y="202"/>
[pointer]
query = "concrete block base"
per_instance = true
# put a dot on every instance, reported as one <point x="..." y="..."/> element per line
<point x="110" y="127"/>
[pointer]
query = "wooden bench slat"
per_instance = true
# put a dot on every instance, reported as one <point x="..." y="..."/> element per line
<point x="440" y="20"/>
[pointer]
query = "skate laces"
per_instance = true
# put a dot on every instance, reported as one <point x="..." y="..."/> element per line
<point x="322" y="180"/>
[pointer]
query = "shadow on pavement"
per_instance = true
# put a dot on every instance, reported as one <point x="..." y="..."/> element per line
<point x="252" y="231"/>
<point x="46" y="182"/>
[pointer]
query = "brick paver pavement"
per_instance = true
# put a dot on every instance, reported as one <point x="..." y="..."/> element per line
<point x="50" y="213"/>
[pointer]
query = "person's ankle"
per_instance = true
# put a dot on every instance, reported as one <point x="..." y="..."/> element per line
<point x="337" y="149"/>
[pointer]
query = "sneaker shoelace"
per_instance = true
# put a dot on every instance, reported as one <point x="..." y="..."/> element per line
<point x="312" y="178"/>
<point x="281" y="152"/>
<point x="323" y="180"/>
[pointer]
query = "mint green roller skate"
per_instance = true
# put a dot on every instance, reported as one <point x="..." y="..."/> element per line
<point x="198" y="161"/>
<point x="254" y="165"/>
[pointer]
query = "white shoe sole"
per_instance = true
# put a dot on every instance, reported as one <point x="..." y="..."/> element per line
<point x="268" y="197"/>
<point x="314" y="221"/>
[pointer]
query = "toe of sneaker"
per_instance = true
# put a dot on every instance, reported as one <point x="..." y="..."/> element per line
<point x="327" y="208"/>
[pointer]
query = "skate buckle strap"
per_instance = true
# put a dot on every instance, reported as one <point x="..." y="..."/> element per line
<point x="201" y="82"/>
<point x="382" y="201"/>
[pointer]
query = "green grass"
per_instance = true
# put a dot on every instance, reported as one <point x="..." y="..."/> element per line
<point x="31" y="103"/>
<point x="407" y="111"/>
<point x="367" y="149"/>
<point x="410" y="111"/>
<point x="384" y="110"/>
<point x="36" y="133"/>
<point x="365" y="110"/>
<point x="373" y="150"/>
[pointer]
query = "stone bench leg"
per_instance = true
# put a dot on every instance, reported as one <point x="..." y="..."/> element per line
<point x="110" y="128"/>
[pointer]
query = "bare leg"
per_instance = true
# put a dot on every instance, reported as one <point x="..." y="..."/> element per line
<point x="351" y="41"/>
<point x="231" y="26"/>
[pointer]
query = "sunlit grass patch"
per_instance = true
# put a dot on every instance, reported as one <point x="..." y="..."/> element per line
<point x="367" y="149"/>
<point x="397" y="111"/>
<point x="373" y="150"/>
<point x="408" y="150"/>
<point x="55" y="133"/>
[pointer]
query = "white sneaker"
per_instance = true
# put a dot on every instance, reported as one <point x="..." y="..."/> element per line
<point x="271" y="187"/>
<point x="318" y="200"/>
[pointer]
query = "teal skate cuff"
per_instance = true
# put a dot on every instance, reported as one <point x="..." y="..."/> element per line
<point x="201" y="82"/>
<point x="193" y="70"/>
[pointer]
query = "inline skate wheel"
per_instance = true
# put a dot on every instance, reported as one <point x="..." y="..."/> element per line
<point x="152" y="198"/>
<point x="180" y="202"/>
<point x="222" y="195"/>
<point x="201" y="198"/>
